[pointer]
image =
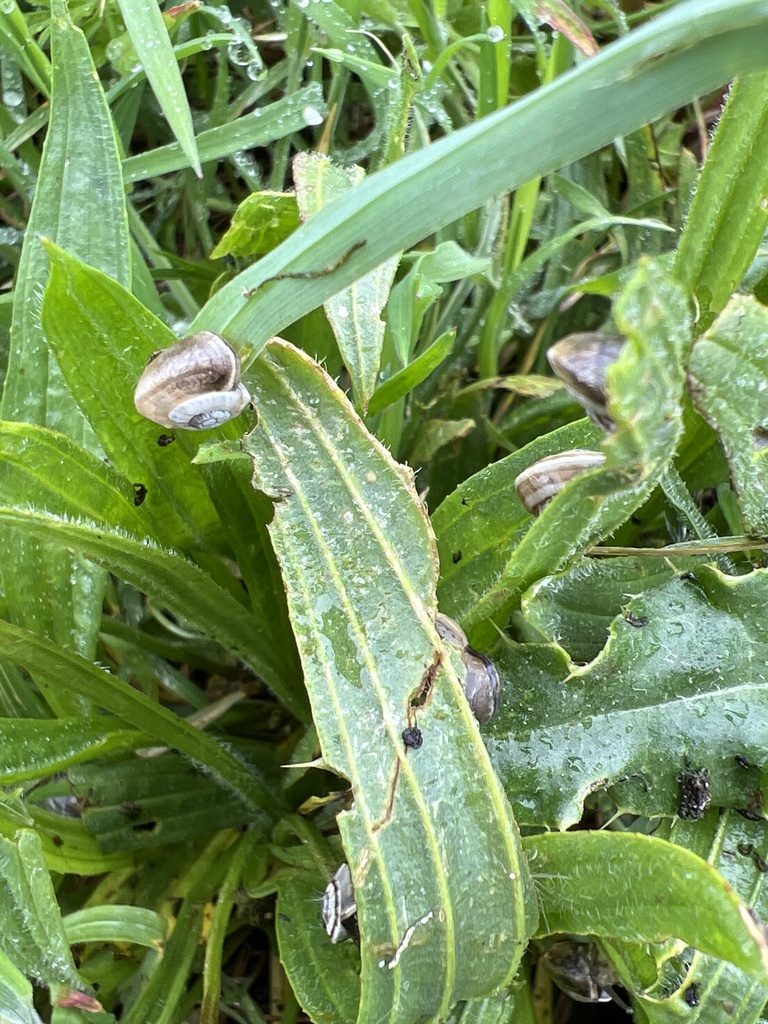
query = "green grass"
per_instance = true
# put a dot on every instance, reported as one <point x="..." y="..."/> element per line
<point x="220" y="671"/>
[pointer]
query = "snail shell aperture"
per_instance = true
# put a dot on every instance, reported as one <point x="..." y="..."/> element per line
<point x="194" y="384"/>
<point x="481" y="682"/>
<point x="540" y="483"/>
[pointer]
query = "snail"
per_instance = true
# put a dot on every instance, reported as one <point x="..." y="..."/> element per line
<point x="481" y="682"/>
<point x="540" y="483"/>
<point x="582" y="971"/>
<point x="581" y="361"/>
<point x="194" y="384"/>
<point x="339" y="908"/>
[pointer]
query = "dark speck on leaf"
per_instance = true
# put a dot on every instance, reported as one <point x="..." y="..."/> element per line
<point x="413" y="737"/>
<point x="456" y="557"/>
<point x="139" y="494"/>
<point x="695" y="796"/>
<point x="637" y="620"/>
<point x="691" y="994"/>
<point x="741" y="760"/>
<point x="464" y="501"/>
<point x="165" y="439"/>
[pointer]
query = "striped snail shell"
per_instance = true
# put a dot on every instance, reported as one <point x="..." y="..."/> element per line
<point x="481" y="681"/>
<point x="339" y="907"/>
<point x="540" y="483"/>
<point x="194" y="384"/>
<point x="581" y="361"/>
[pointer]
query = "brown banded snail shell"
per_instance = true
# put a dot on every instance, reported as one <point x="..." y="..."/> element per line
<point x="540" y="483"/>
<point x="481" y="682"/>
<point x="581" y="361"/>
<point x="339" y="908"/>
<point x="194" y="384"/>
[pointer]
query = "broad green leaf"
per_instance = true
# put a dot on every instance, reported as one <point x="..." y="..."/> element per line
<point x="729" y="215"/>
<point x="81" y="302"/>
<point x="652" y="313"/>
<point x="261" y="221"/>
<point x="16" y="1006"/>
<point x="62" y="668"/>
<point x="367" y="642"/>
<point x="354" y="313"/>
<point x="149" y="35"/>
<point x="178" y="585"/>
<point x="583" y="879"/>
<point x="150" y="802"/>
<point x="79" y="200"/>
<point x="645" y="384"/>
<point x="32" y="932"/>
<point x="411" y="376"/>
<point x="575" y="609"/>
<point x="68" y="847"/>
<point x="654" y="69"/>
<point x="325" y="977"/>
<point x="483" y="521"/>
<point x="257" y="128"/>
<point x="554" y="740"/>
<point x="732" y="845"/>
<point x="39" y="466"/>
<point x="115" y="923"/>
<point x="728" y="372"/>
<point x="34" y="748"/>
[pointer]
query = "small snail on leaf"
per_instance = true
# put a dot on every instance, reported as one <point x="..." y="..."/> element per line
<point x="194" y="384"/>
<point x="541" y="482"/>
<point x="339" y="907"/>
<point x="481" y="683"/>
<point x="582" y="361"/>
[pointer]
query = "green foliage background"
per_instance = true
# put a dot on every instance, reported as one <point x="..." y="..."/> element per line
<point x="210" y="648"/>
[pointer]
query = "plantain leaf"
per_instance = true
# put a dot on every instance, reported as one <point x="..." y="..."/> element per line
<point x="355" y="312"/>
<point x="454" y="926"/>
<point x="84" y="209"/>
<point x="712" y="258"/>
<point x="32" y="931"/>
<point x="583" y="879"/>
<point x="35" y="748"/>
<point x="729" y="381"/>
<point x="16" y="1006"/>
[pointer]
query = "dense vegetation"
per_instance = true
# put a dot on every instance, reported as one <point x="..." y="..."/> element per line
<point x="221" y="671"/>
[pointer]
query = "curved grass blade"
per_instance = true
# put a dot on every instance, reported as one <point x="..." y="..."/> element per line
<point x="689" y="50"/>
<point x="114" y="923"/>
<point x="368" y="647"/>
<point x="178" y="585"/>
<point x="146" y="27"/>
<point x="68" y="670"/>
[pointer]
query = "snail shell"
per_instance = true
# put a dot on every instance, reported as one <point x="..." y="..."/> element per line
<point x="481" y="681"/>
<point x="339" y="907"/>
<point x="581" y="970"/>
<point x="540" y="483"/>
<point x="581" y="361"/>
<point x="194" y="384"/>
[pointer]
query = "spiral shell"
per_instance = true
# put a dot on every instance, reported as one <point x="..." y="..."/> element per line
<point x="481" y="681"/>
<point x="540" y="483"/>
<point x="339" y="907"/>
<point x="194" y="384"/>
<point x="581" y="361"/>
